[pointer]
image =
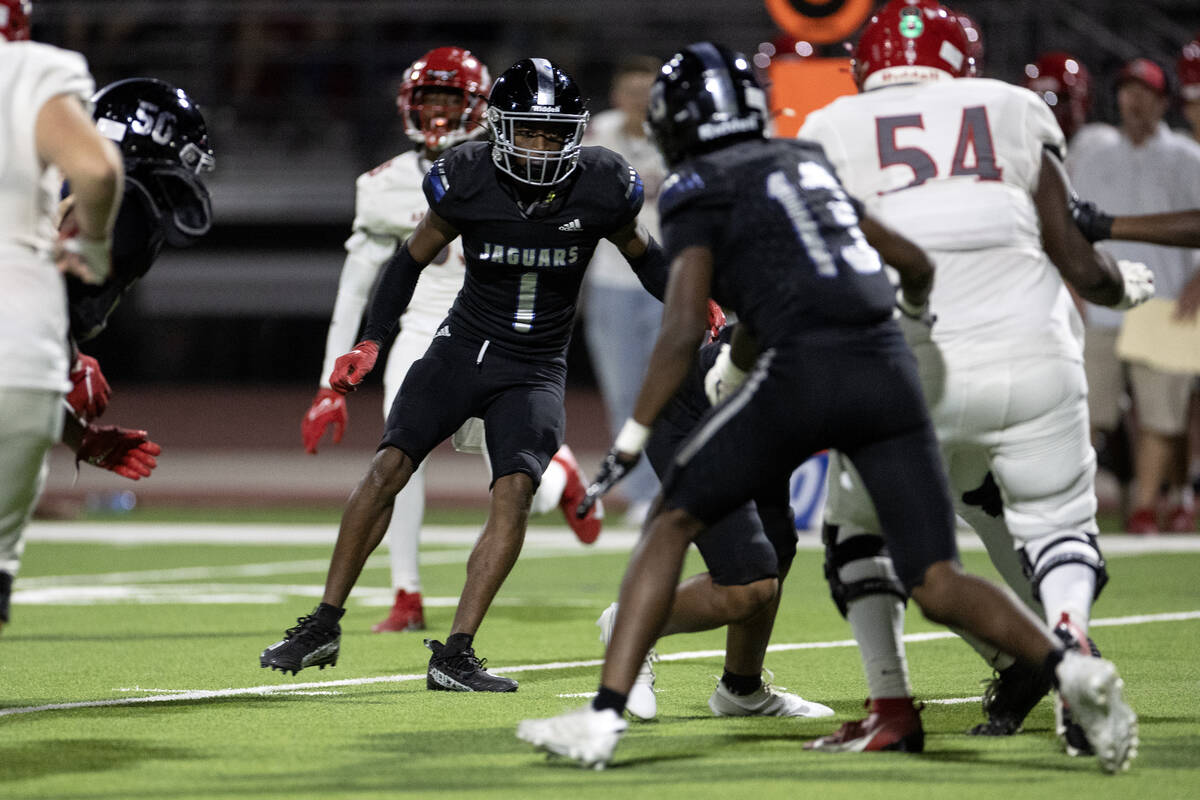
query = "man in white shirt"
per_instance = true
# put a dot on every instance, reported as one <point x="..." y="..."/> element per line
<point x="47" y="136"/>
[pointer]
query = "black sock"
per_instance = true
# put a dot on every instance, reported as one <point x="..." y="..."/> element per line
<point x="1049" y="667"/>
<point x="328" y="615"/>
<point x="607" y="698"/>
<point x="459" y="642"/>
<point x="741" y="685"/>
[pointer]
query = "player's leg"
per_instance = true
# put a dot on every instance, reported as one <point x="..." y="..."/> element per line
<point x="523" y="423"/>
<point x="865" y="589"/>
<point x="32" y="424"/>
<point x="437" y="395"/>
<point x="408" y="511"/>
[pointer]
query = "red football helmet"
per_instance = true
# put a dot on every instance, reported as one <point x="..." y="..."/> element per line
<point x="974" y="45"/>
<point x="14" y="19"/>
<point x="1189" y="70"/>
<point x="444" y="68"/>
<point x="908" y="41"/>
<point x="1065" y="84"/>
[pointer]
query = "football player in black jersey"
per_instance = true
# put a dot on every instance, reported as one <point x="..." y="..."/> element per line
<point x="164" y="144"/>
<point x="765" y="226"/>
<point x="530" y="204"/>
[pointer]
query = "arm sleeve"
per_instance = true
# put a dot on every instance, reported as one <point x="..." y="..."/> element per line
<point x="366" y="253"/>
<point x="652" y="269"/>
<point x="392" y="295"/>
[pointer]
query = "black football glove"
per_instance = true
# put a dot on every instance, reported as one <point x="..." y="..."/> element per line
<point x="1093" y="223"/>
<point x="616" y="465"/>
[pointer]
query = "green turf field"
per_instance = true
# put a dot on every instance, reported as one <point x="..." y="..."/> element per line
<point x="131" y="671"/>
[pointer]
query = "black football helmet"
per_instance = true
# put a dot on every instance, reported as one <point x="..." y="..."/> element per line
<point x="705" y="97"/>
<point x="164" y="141"/>
<point x="534" y="92"/>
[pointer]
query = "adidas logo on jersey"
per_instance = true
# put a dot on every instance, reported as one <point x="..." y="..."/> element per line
<point x="442" y="331"/>
<point x="573" y="225"/>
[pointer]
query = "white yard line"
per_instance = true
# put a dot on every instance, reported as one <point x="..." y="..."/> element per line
<point x="322" y="687"/>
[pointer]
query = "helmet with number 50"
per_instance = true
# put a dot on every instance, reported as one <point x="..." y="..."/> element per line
<point x="14" y="19"/>
<point x="440" y="125"/>
<point x="705" y="97"/>
<point x="164" y="141"/>
<point x="909" y="41"/>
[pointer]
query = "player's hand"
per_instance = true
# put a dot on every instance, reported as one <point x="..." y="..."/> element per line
<point x="350" y="369"/>
<point x="1093" y="223"/>
<point x="716" y="321"/>
<point x="90" y="391"/>
<point x="128" y="453"/>
<point x="723" y="377"/>
<point x="88" y="259"/>
<point x="616" y="465"/>
<point x="328" y="408"/>
<point x="1139" y="284"/>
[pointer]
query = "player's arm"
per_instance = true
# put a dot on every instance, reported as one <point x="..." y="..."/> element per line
<point x="645" y="256"/>
<point x="907" y="258"/>
<point x="66" y="136"/>
<point x="1094" y="274"/>
<point x="1172" y="228"/>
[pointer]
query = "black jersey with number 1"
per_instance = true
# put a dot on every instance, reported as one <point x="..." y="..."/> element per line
<point x="525" y="263"/>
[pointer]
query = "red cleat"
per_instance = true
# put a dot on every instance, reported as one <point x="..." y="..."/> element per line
<point x="1181" y="520"/>
<point x="587" y="530"/>
<point x="1143" y="521"/>
<point x="406" y="615"/>
<point x="892" y="724"/>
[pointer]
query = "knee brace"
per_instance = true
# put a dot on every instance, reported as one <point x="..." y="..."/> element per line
<point x="857" y="564"/>
<point x="1054" y="551"/>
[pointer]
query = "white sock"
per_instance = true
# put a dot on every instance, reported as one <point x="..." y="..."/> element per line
<point x="404" y="533"/>
<point x="550" y="490"/>
<point x="877" y="621"/>
<point x="1069" y="588"/>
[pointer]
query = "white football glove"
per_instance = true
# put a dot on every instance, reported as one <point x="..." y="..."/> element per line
<point x="1139" y="284"/>
<point x="724" y="377"/>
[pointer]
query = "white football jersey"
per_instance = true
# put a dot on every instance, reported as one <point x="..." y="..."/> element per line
<point x="389" y="203"/>
<point x="952" y="165"/>
<point x="33" y="301"/>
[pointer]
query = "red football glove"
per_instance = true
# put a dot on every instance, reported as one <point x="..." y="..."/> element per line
<point x="350" y="369"/>
<point x="128" y="453"/>
<point x="89" y="396"/>
<point x="716" y="321"/>
<point x="328" y="408"/>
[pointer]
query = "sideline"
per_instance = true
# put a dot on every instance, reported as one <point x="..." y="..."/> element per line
<point x="177" y="695"/>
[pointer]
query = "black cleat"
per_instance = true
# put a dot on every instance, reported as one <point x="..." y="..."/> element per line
<point x="462" y="671"/>
<point x="6" y="582"/>
<point x="1008" y="698"/>
<point x="1069" y="731"/>
<point x="310" y="643"/>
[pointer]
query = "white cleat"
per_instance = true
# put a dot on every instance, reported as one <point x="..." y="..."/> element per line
<point x="768" y="701"/>
<point x="585" y="735"/>
<point x="642" y="701"/>
<point x="1092" y="688"/>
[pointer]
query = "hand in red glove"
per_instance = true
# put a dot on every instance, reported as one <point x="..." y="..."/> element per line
<point x="89" y="396"/>
<point x="328" y="408"/>
<point x="128" y="453"/>
<point x="350" y="369"/>
<point x="716" y="321"/>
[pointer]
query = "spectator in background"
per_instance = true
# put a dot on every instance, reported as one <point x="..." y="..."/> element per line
<point x="1147" y="168"/>
<point x="620" y="318"/>
<point x="45" y="125"/>
<point x="1188" y="68"/>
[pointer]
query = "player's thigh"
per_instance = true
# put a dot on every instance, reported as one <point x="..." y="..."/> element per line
<point x="32" y="424"/>
<point x="439" y="392"/>
<point x="524" y="425"/>
<point x="410" y="345"/>
<point x="1044" y="464"/>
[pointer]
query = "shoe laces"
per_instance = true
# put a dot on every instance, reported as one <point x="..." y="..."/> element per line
<point x="467" y="659"/>
<point x="307" y="628"/>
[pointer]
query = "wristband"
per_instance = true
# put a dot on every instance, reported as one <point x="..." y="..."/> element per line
<point x="632" y="438"/>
